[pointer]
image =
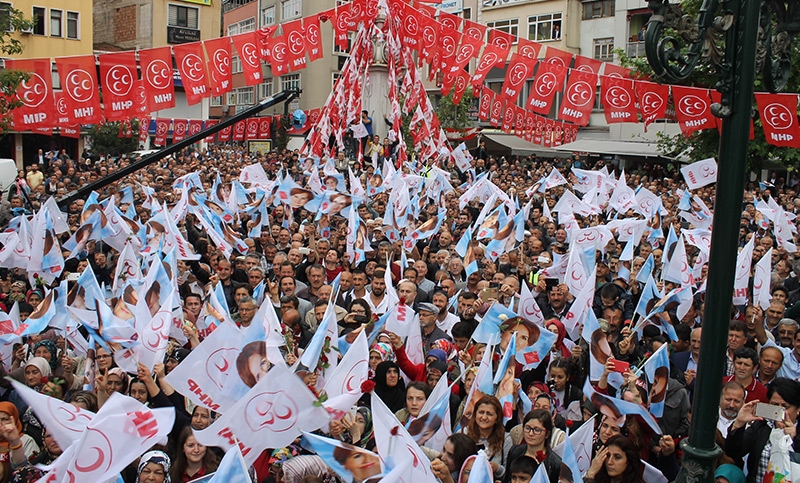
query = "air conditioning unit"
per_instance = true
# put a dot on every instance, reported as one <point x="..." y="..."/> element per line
<point x="27" y="30"/>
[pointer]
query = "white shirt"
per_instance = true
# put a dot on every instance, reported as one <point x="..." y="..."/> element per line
<point x="791" y="366"/>
<point x="724" y="424"/>
<point x="447" y="324"/>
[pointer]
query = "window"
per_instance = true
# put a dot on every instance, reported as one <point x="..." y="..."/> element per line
<point x="5" y="16"/>
<point x="508" y="26"/>
<point x="180" y="16"/>
<point x="216" y="101"/>
<point x="604" y="49"/>
<point x="291" y="81"/>
<point x="244" y="96"/>
<point x="291" y="9"/>
<point x="55" y="23"/>
<point x="39" y="16"/>
<point x="265" y="89"/>
<point x="339" y="51"/>
<point x="544" y="27"/>
<point x="334" y="77"/>
<point x="466" y="13"/>
<point x="597" y="9"/>
<point x="247" y="25"/>
<point x="72" y="25"/>
<point x="54" y="76"/>
<point x="268" y="16"/>
<point x="236" y="64"/>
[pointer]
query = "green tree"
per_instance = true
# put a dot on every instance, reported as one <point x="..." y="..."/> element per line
<point x="455" y="116"/>
<point x="10" y="45"/>
<point x="106" y="141"/>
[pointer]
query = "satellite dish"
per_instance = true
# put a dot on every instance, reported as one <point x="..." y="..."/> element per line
<point x="298" y="119"/>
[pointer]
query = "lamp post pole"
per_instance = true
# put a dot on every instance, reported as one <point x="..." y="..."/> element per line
<point x="739" y="21"/>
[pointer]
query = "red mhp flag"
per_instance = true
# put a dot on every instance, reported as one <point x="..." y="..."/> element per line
<point x="411" y="26"/>
<point x="570" y="133"/>
<point x="210" y="137"/>
<point x="313" y="116"/>
<point x="448" y="79"/>
<point x="252" y="129"/>
<point x="693" y="108"/>
<point x="295" y="44"/>
<point x="125" y="129"/>
<point x="519" y="70"/>
<point x="144" y="127"/>
<point x="530" y="124"/>
<point x="558" y="134"/>
<point x="36" y="94"/>
<point x="503" y="40"/>
<point x="778" y="114"/>
<point x="219" y="56"/>
<point x="355" y="13"/>
<point x="264" y="127"/>
<point x="549" y="124"/>
<point x="549" y="80"/>
<point x="247" y="47"/>
<point x="618" y="99"/>
<point x="493" y="56"/>
<point x="279" y="56"/>
<point x="578" y="97"/>
<point x="62" y="113"/>
<point x="195" y="126"/>
<point x="450" y="20"/>
<point x="162" y="131"/>
<point x="460" y="86"/>
<point x="339" y="16"/>
<point x="159" y="88"/>
<point x="449" y="39"/>
<point x="538" y="131"/>
<point x="585" y="64"/>
<point x="118" y="77"/>
<point x="225" y="134"/>
<point x="238" y="130"/>
<point x="519" y="121"/>
<point x="191" y="63"/>
<point x="528" y="48"/>
<point x="78" y="77"/>
<point x="72" y="131"/>
<point x="264" y="38"/>
<point x="612" y="70"/>
<point x="556" y="56"/>
<point x="474" y="30"/>
<point x="485" y="104"/>
<point x="652" y="100"/>
<point x="139" y="99"/>
<point x="430" y="40"/>
<point x="469" y="49"/>
<point x="313" y="37"/>
<point x="496" y="112"/>
<point x="179" y="128"/>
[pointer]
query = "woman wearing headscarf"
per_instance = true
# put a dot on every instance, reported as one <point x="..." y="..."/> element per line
<point x="153" y="468"/>
<point x="15" y="446"/>
<point x="389" y="386"/>
<point x="358" y="429"/>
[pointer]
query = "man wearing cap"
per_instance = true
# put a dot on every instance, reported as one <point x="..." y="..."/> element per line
<point x="427" y="323"/>
<point x="175" y="357"/>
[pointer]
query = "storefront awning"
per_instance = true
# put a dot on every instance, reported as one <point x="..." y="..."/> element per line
<point x="518" y="146"/>
<point x="608" y="146"/>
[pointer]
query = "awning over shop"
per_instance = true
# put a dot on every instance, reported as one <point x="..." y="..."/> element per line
<point x="518" y="147"/>
<point x="607" y="146"/>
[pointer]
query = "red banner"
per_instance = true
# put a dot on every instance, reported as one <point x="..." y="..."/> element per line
<point x="159" y="87"/>
<point x="493" y="56"/>
<point x="693" y="108"/>
<point x="549" y="124"/>
<point x="179" y="128"/>
<point x="578" y="98"/>
<point x="36" y="95"/>
<point x="556" y="56"/>
<point x="618" y="99"/>
<point x="528" y="48"/>
<point x="530" y="124"/>
<point x="192" y="65"/>
<point x="411" y="27"/>
<point x="485" y="104"/>
<point x="162" y="131"/>
<point x="313" y="37"/>
<point x="279" y="56"/>
<point x="144" y="126"/>
<point x="195" y="126"/>
<point x="219" y="56"/>
<point x="501" y="39"/>
<point x="62" y="112"/>
<point x="430" y="41"/>
<point x="339" y="17"/>
<point x="449" y="40"/>
<point x="474" y="30"/>
<point x="295" y="44"/>
<point x="612" y="70"/>
<point x="264" y="38"/>
<point x="538" y="131"/>
<point x="264" y="127"/>
<point x="549" y="80"/>
<point x="252" y="129"/>
<point x="460" y="86"/>
<point x="496" y="112"/>
<point x="778" y="114"/>
<point x="210" y="137"/>
<point x="585" y="64"/>
<point x="118" y="76"/>
<point x="558" y="134"/>
<point x="78" y="77"/>
<point x="71" y="131"/>
<point x="225" y="134"/>
<point x="519" y="121"/>
<point x="652" y="100"/>
<point x="469" y="49"/>
<point x="238" y="130"/>
<point x="125" y="130"/>
<point x="247" y="48"/>
<point x="313" y="117"/>
<point x="140" y="106"/>
<point x="519" y="70"/>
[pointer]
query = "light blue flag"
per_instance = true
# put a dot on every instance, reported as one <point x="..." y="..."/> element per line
<point x="531" y="356"/>
<point x="571" y="462"/>
<point x="657" y="370"/>
<point x="618" y="407"/>
<point x="678" y="296"/>
<point x="481" y="469"/>
<point x="649" y="293"/>
<point x="541" y="475"/>
<point x="502" y="379"/>
<point x="627" y="252"/>
<point x="672" y="237"/>
<point x="258" y="293"/>
<point x="686" y="201"/>
<point x="127" y="195"/>
<point x="326" y="447"/>
<point x="647" y="269"/>
<point x="488" y="331"/>
<point x="232" y="468"/>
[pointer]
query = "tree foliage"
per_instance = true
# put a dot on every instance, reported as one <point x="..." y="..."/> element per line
<point x="455" y="116"/>
<point x="10" y="80"/>
<point x="106" y="141"/>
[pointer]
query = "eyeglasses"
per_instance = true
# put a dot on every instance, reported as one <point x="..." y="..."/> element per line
<point x="532" y="430"/>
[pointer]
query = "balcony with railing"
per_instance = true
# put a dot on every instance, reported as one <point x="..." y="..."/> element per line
<point x="635" y="49"/>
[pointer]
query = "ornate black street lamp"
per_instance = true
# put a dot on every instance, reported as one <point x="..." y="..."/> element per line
<point x="757" y="37"/>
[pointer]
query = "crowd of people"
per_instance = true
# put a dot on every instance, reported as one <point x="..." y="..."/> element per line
<point x="299" y="263"/>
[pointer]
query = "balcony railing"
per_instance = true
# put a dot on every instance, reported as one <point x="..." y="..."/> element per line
<point x="635" y="49"/>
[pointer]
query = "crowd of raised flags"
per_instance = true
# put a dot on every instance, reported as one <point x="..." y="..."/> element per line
<point x="169" y="240"/>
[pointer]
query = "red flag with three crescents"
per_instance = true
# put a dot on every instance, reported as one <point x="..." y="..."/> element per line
<point x="36" y="95"/>
<point x="210" y="137"/>
<point x="519" y="70"/>
<point x="219" y="56"/>
<point x="549" y="80"/>
<point x="239" y="130"/>
<point x="485" y="103"/>
<point x="313" y="37"/>
<point x="252" y="129"/>
<point x="247" y="47"/>
<point x="225" y="134"/>
<point x="579" y="97"/>
<point x="496" y="113"/>
<point x="78" y="77"/>
<point x="652" y="99"/>
<point x="693" y="108"/>
<point x="118" y="77"/>
<point x="179" y="129"/>
<point x="162" y="131"/>
<point x="778" y="114"/>
<point x="493" y="56"/>
<point x="195" y="126"/>
<point x="159" y="87"/>
<point x="295" y="44"/>
<point x="279" y="56"/>
<point x="144" y="128"/>
<point x="192" y="66"/>
<point x="618" y="99"/>
<point x="264" y="127"/>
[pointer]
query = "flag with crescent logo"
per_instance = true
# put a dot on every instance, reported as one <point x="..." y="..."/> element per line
<point x="191" y="62"/>
<point x="78" y="76"/>
<point x="548" y="81"/>
<point x="579" y="97"/>
<point x="36" y="94"/>
<point x="619" y="99"/>
<point x="246" y="45"/>
<point x="159" y="86"/>
<point x="778" y="114"/>
<point x="693" y="108"/>
<point x="219" y="57"/>
<point x="653" y="99"/>
<point x="119" y="78"/>
<point x="313" y="37"/>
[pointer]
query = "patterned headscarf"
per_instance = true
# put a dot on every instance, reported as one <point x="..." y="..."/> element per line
<point x="51" y="347"/>
<point x="157" y="457"/>
<point x="386" y="351"/>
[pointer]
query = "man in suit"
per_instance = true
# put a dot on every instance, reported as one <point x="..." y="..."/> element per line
<point x="42" y="160"/>
<point x="687" y="361"/>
